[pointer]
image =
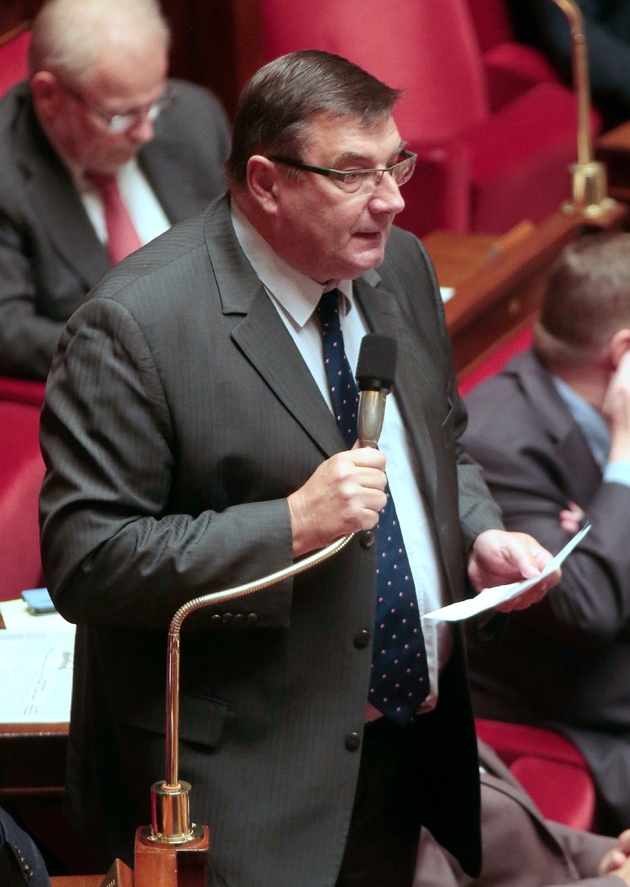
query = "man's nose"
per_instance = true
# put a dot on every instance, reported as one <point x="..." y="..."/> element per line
<point x="141" y="131"/>
<point x="387" y="197"/>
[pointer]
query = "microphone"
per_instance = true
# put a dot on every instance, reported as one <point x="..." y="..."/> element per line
<point x="376" y="369"/>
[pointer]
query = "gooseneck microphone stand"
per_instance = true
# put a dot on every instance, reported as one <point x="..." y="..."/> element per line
<point x="172" y="836"/>
<point x="170" y="821"/>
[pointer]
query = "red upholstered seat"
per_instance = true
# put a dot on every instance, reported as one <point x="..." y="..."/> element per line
<point x="477" y="170"/>
<point x="511" y="68"/>
<point x="549" y="767"/>
<point x="21" y="474"/>
<point x="22" y="391"/>
<point x="497" y="360"/>
<point x="14" y="61"/>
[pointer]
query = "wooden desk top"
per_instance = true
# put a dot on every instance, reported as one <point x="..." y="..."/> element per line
<point x="77" y="881"/>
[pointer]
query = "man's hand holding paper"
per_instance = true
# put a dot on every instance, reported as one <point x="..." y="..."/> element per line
<point x="498" y="557"/>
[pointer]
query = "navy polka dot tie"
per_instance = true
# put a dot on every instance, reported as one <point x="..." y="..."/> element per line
<point x="400" y="679"/>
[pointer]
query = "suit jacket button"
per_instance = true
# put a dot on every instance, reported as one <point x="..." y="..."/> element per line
<point x="353" y="741"/>
<point x="252" y="619"/>
<point x="362" y="639"/>
<point x="368" y="537"/>
<point x="216" y="619"/>
<point x="227" y="618"/>
<point x="239" y="618"/>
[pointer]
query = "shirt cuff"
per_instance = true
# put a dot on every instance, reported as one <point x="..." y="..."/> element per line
<point x="618" y="473"/>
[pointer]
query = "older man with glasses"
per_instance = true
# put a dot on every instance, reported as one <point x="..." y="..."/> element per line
<point x="200" y="429"/>
<point x="99" y="153"/>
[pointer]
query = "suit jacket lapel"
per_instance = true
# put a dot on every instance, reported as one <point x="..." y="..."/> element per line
<point x="559" y="425"/>
<point x="56" y="202"/>
<point x="166" y="167"/>
<point x="262" y="336"/>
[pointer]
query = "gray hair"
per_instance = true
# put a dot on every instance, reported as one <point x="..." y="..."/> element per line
<point x="280" y="101"/>
<point x="68" y="35"/>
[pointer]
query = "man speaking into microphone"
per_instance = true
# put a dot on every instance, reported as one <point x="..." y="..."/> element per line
<point x="200" y="432"/>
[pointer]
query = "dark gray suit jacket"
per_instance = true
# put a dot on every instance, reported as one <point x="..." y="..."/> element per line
<point x="520" y="847"/>
<point x="565" y="661"/>
<point x="179" y="416"/>
<point x="50" y="256"/>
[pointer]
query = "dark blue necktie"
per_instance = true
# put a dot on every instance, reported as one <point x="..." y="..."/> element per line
<point x="400" y="679"/>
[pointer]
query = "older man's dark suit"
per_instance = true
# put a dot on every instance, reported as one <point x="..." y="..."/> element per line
<point x="565" y="661"/>
<point x="178" y="418"/>
<point x="50" y="256"/>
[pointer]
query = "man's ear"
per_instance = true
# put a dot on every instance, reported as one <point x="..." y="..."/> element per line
<point x="46" y="92"/>
<point x="262" y="181"/>
<point x="619" y="344"/>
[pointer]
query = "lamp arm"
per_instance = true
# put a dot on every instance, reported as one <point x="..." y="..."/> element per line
<point x="170" y="819"/>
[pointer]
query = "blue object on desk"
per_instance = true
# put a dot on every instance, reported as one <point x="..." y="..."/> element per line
<point x="38" y="601"/>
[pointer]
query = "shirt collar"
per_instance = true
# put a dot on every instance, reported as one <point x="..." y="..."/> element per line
<point x="592" y="424"/>
<point x="297" y="294"/>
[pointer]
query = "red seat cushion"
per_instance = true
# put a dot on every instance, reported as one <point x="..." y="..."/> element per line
<point x="561" y="792"/>
<point x="549" y="767"/>
<point x="512" y="741"/>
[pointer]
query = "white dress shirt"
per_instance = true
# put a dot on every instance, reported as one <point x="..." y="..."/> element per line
<point x="295" y="297"/>
<point x="146" y="213"/>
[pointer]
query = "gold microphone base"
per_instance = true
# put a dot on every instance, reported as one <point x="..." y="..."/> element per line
<point x="170" y="815"/>
<point x="589" y="190"/>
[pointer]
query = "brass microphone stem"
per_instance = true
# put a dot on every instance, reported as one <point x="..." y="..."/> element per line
<point x="579" y="53"/>
<point x="588" y="175"/>
<point x="173" y="652"/>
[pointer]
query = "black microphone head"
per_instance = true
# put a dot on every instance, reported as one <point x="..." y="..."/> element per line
<point x="376" y="367"/>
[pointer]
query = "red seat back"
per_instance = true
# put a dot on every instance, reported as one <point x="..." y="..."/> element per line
<point x="21" y="474"/>
<point x="428" y="49"/>
<point x="492" y="22"/>
<point x="497" y="360"/>
<point x="22" y="391"/>
<point x="14" y="61"/>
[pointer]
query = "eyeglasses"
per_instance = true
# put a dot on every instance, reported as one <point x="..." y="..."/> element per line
<point x="119" y="123"/>
<point x="353" y="180"/>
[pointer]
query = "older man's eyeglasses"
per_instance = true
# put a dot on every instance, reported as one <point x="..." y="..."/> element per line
<point x="354" y="180"/>
<point x="119" y="123"/>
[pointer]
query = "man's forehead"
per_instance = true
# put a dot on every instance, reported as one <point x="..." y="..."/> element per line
<point x="118" y="79"/>
<point x="351" y="135"/>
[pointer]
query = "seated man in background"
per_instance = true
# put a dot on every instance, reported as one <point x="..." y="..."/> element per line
<point x="520" y="847"/>
<point x="99" y="154"/>
<point x="552" y="433"/>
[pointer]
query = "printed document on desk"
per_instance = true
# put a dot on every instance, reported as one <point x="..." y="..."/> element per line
<point x="499" y="594"/>
<point x="36" y="676"/>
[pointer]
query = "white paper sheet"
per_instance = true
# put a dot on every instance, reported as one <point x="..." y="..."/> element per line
<point x="490" y="597"/>
<point x="35" y="677"/>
